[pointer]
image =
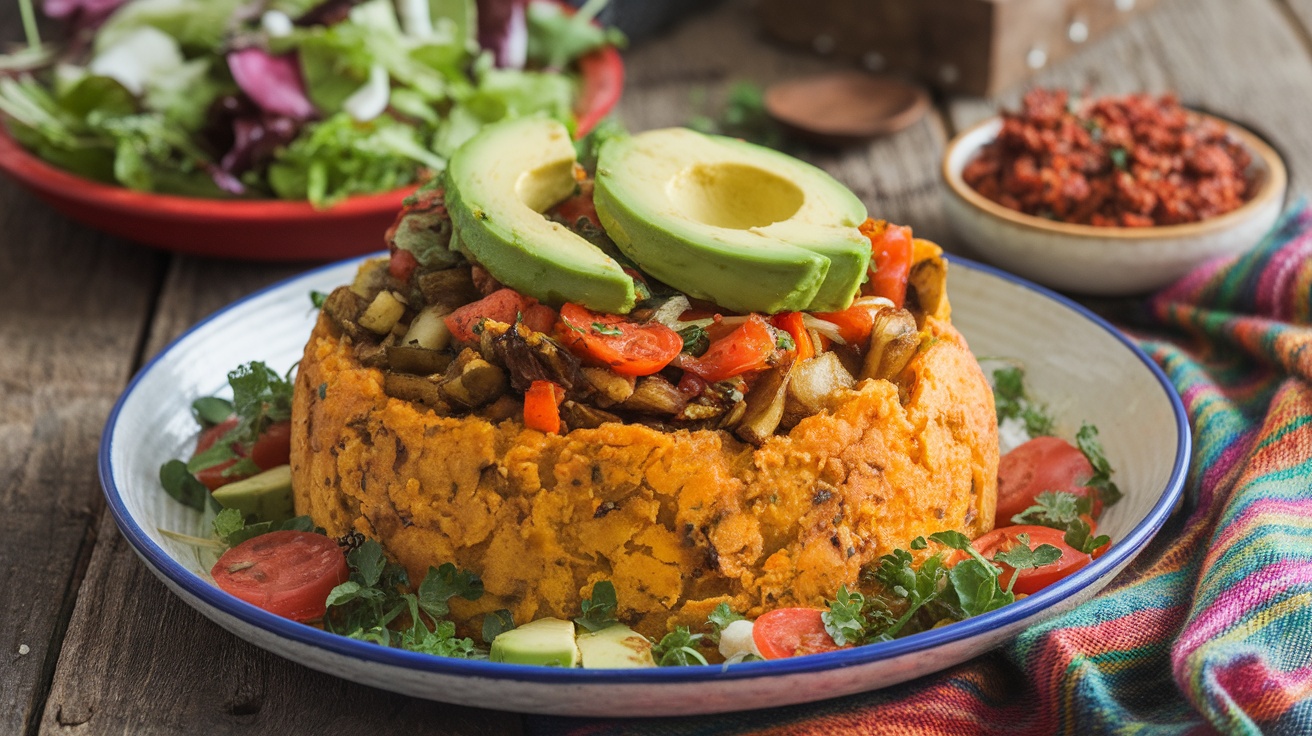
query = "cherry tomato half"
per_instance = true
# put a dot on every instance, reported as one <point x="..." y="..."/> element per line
<point x="790" y="632"/>
<point x="1042" y="464"/>
<point x="890" y="261"/>
<point x="629" y="348"/>
<point x="502" y="305"/>
<point x="1031" y="580"/>
<point x="287" y="573"/>
<point x="212" y="477"/>
<point x="274" y="447"/>
<point x="747" y="348"/>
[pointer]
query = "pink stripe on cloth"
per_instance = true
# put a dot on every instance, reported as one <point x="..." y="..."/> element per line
<point x="1235" y="602"/>
<point x="1274" y="297"/>
<point x="1253" y="517"/>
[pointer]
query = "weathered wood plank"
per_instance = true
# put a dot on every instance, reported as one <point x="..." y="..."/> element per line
<point x="123" y="669"/>
<point x="897" y="177"/>
<point x="1239" y="58"/>
<point x="74" y="303"/>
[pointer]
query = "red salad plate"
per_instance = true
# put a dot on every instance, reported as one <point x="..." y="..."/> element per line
<point x="265" y="229"/>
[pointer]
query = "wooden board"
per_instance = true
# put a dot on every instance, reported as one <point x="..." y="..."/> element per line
<point x="73" y="306"/>
<point x="132" y="642"/>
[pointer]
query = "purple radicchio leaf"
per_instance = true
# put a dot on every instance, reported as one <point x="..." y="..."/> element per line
<point x="273" y="82"/>
<point x="88" y="11"/>
<point x="245" y="137"/>
<point x="503" y="30"/>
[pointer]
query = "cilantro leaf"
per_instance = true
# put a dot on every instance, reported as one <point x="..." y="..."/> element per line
<point x="1055" y="509"/>
<point x="720" y="618"/>
<point x="317" y="298"/>
<point x="1023" y="557"/>
<point x="599" y="610"/>
<point x="678" y="649"/>
<point x="845" y="620"/>
<point x="1012" y="401"/>
<point x="1087" y="440"/>
<point x="228" y="522"/>
<point x="1080" y="536"/>
<point x="236" y="536"/>
<point x="975" y="584"/>
<point x="441" y="584"/>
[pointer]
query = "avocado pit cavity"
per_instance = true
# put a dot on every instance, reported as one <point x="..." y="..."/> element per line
<point x="733" y="195"/>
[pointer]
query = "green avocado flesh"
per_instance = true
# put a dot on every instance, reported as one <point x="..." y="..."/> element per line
<point x="615" y="647"/>
<point x="499" y="184"/>
<point x="547" y="641"/>
<point x="264" y="497"/>
<point x="744" y="226"/>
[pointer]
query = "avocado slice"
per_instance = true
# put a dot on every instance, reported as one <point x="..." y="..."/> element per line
<point x="498" y="185"/>
<point x="547" y="641"/>
<point x="265" y="497"/>
<point x="744" y="226"/>
<point x="615" y="647"/>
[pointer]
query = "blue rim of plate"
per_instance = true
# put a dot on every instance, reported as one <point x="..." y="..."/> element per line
<point x="249" y="614"/>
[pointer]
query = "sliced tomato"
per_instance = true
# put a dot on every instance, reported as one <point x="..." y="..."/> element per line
<point x="274" y="447"/>
<point x="629" y="348"/>
<point x="747" y="348"/>
<point x="890" y="260"/>
<point x="542" y="406"/>
<point x="212" y="477"/>
<point x="1042" y="464"/>
<point x="791" y="632"/>
<point x="795" y="325"/>
<point x="287" y="573"/>
<point x="503" y="305"/>
<point x="1031" y="580"/>
<point x="579" y="207"/>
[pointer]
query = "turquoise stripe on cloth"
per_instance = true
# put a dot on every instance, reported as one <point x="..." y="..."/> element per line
<point x="1210" y="629"/>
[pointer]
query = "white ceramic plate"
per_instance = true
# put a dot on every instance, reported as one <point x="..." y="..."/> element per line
<point x="1083" y="368"/>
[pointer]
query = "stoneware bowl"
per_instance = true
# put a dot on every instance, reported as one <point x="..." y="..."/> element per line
<point x="1074" y="361"/>
<point x="1105" y="261"/>
<point x="258" y="229"/>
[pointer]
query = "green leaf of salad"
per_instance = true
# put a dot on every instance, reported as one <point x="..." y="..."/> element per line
<point x="599" y="610"/>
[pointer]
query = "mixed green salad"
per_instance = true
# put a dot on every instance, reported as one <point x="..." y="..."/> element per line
<point x="294" y="99"/>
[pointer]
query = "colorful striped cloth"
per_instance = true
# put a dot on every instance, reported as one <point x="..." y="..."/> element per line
<point x="1210" y="630"/>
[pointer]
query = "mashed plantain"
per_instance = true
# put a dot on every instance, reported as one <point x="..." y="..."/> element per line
<point x="679" y="521"/>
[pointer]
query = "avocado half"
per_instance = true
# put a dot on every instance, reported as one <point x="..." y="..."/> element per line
<point x="498" y="185"/>
<point x="744" y="226"/>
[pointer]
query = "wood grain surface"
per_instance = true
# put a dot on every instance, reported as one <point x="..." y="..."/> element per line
<point x="91" y="643"/>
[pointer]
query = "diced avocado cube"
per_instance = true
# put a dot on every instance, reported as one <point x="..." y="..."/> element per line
<point x="615" y="647"/>
<point x="263" y="497"/>
<point x="547" y="641"/>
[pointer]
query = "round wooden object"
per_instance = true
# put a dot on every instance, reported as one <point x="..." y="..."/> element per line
<point x="846" y="107"/>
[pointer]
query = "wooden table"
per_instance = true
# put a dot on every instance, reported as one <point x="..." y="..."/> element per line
<point x="90" y="642"/>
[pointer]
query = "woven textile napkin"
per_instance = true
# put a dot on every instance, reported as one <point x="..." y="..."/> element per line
<point x="1210" y="630"/>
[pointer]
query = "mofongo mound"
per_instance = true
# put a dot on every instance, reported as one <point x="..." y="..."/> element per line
<point x="679" y="521"/>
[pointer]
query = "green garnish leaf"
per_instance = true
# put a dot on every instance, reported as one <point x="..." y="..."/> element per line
<point x="599" y="610"/>
<point x="441" y="584"/>
<point x="228" y="522"/>
<point x="497" y="623"/>
<point x="720" y="618"/>
<point x="695" y="340"/>
<point x="1087" y="440"/>
<point x="604" y="329"/>
<point x="784" y="341"/>
<point x="678" y="649"/>
<point x="317" y="298"/>
<point x="232" y="535"/>
<point x="1022" y="557"/>
<point x="975" y="584"/>
<point x="1080" y="536"/>
<point x="179" y="483"/>
<point x="1013" y="402"/>
<point x="845" y="619"/>
<point x="211" y="410"/>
